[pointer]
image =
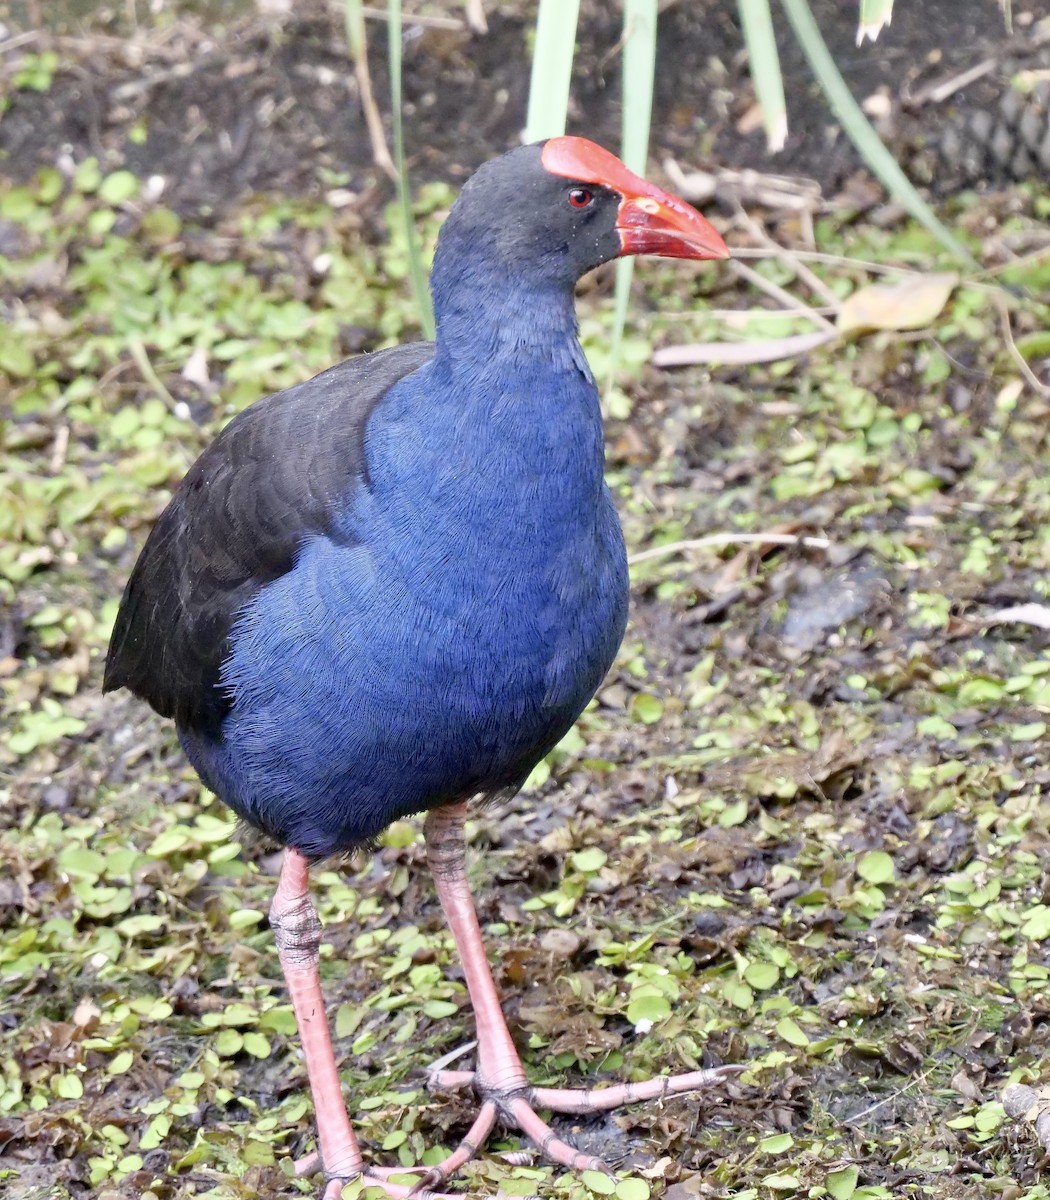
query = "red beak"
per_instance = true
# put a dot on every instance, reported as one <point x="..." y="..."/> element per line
<point x="650" y="220"/>
<point x="658" y="223"/>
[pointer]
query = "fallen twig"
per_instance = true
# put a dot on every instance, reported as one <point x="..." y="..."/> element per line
<point x="357" y="41"/>
<point x="941" y="90"/>
<point x="381" y="14"/>
<point x="783" y="297"/>
<point x="1021" y="614"/>
<point x="730" y="539"/>
<point x="835" y="260"/>
<point x="59" y="449"/>
<point x="790" y="259"/>
<point x="19" y="39"/>
<point x="138" y="353"/>
<point x="796" y="193"/>
<point x="476" y="16"/>
<point x="911" y="1085"/>
<point x="1031" y="378"/>
<point x="731" y="315"/>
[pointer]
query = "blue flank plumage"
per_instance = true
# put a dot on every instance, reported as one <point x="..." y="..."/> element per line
<point x="470" y="596"/>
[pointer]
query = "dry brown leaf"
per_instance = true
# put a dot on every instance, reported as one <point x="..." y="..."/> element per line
<point x="912" y="304"/>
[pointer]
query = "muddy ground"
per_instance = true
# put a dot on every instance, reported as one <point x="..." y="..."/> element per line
<point x="268" y="104"/>
<point x="803" y="829"/>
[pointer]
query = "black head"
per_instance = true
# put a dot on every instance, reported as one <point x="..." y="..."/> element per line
<point x="553" y="210"/>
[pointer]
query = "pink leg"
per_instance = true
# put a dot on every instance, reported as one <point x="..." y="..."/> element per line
<point x="297" y="931"/>
<point x="500" y="1078"/>
<point x="499" y="1067"/>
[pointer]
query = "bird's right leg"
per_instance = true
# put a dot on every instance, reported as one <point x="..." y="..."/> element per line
<point x="297" y="931"/>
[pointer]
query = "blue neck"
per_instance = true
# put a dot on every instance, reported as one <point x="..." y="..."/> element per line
<point x="509" y="371"/>
<point x="501" y="430"/>
<point x="485" y="315"/>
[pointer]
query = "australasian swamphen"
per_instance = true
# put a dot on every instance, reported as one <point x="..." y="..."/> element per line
<point x="393" y="588"/>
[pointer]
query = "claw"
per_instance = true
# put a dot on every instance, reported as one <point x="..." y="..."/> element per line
<point x="433" y="1178"/>
<point x="309" y="1164"/>
<point x="520" y="1158"/>
<point x="380" y="1178"/>
<point x="450" y="1081"/>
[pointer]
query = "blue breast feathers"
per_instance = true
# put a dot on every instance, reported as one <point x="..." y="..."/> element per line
<point x="450" y="628"/>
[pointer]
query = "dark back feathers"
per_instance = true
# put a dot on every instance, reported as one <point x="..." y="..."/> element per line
<point x="279" y="471"/>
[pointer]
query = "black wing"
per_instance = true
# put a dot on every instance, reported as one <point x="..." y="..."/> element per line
<point x="273" y="475"/>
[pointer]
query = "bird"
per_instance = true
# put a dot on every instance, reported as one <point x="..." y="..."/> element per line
<point x="392" y="589"/>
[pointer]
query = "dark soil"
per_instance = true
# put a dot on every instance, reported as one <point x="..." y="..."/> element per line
<point x="271" y="105"/>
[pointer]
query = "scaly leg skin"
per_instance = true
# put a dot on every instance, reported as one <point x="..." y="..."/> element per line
<point x="499" y="1079"/>
<point x="297" y="931"/>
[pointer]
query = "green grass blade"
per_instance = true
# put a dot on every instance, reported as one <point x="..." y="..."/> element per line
<point x="417" y="273"/>
<point x="639" y="69"/>
<point x="859" y="129"/>
<point x="551" y="69"/>
<point x="757" y="22"/>
<point x="875" y="15"/>
<point x="354" y="18"/>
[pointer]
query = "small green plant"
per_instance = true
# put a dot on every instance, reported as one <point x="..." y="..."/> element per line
<point x="37" y="72"/>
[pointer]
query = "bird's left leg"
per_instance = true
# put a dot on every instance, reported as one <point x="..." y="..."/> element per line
<point x="500" y="1077"/>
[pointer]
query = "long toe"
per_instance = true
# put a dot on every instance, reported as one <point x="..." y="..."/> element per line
<point x="401" y="1191"/>
<point x="588" y="1100"/>
<point x="499" y="1078"/>
<point x="382" y="1177"/>
<point x="449" y="1081"/>
<point x="309" y="1164"/>
<point x="464" y="1152"/>
<point x="521" y="1113"/>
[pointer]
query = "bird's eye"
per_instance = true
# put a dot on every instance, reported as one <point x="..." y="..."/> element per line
<point x="581" y="197"/>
